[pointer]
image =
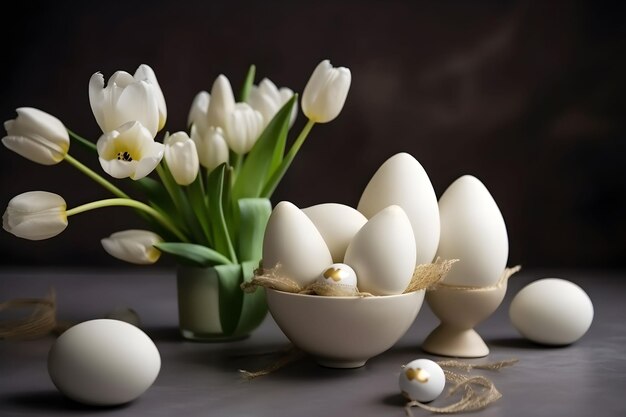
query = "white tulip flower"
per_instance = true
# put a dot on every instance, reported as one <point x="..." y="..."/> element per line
<point x="145" y="72"/>
<point x="134" y="246"/>
<point x="182" y="158"/>
<point x="268" y="100"/>
<point x="211" y="145"/>
<point x="222" y="102"/>
<point x="325" y="92"/>
<point x="124" y="99"/>
<point x="243" y="128"/>
<point x="198" y="113"/>
<point x="129" y="151"/>
<point x="35" y="215"/>
<point x="37" y="135"/>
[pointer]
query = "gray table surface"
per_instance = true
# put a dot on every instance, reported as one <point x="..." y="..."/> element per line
<point x="200" y="379"/>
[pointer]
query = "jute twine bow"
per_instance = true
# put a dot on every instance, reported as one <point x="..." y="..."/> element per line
<point x="478" y="391"/>
<point x="424" y="277"/>
<point x="41" y="321"/>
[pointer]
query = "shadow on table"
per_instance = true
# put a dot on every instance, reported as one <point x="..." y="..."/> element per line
<point x="514" y="343"/>
<point x="51" y="400"/>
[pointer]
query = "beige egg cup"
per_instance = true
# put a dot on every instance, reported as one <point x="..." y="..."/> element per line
<point x="343" y="332"/>
<point x="460" y="309"/>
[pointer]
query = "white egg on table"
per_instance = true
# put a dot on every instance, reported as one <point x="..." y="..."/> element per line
<point x="401" y="180"/>
<point x="382" y="253"/>
<point x="472" y="231"/>
<point x="552" y="311"/>
<point x="292" y="240"/>
<point x="103" y="362"/>
<point x="337" y="223"/>
<point x="422" y="380"/>
<point x="338" y="279"/>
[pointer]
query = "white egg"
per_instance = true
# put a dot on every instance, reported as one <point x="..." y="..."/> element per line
<point x="552" y="311"/>
<point x="383" y="253"/>
<point x="103" y="362"/>
<point x="338" y="279"/>
<point x="292" y="240"/>
<point x="473" y="231"/>
<point x="422" y="380"/>
<point x="402" y="181"/>
<point x="337" y="224"/>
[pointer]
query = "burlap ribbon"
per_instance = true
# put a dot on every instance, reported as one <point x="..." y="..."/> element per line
<point x="40" y="322"/>
<point x="424" y="277"/>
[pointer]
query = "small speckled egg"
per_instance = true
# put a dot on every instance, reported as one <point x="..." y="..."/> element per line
<point x="422" y="380"/>
<point x="103" y="362"/>
<point x="338" y="279"/>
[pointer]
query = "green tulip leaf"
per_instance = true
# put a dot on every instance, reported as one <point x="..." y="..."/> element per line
<point x="268" y="149"/>
<point x="247" y="84"/>
<point x="221" y="237"/>
<point x="254" y="214"/>
<point x="231" y="296"/>
<point x="254" y="307"/>
<point x="192" y="254"/>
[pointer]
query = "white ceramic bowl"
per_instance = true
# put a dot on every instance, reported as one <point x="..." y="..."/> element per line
<point x="344" y="332"/>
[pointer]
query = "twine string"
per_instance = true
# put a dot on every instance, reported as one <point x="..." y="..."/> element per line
<point x="40" y="322"/>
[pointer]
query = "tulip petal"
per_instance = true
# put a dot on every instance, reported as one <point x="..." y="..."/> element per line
<point x="199" y="109"/>
<point x="222" y="102"/>
<point x="147" y="164"/>
<point x="145" y="72"/>
<point x="137" y="102"/>
<point x="35" y="215"/>
<point x="134" y="246"/>
<point x="37" y="135"/>
<point x="326" y="92"/>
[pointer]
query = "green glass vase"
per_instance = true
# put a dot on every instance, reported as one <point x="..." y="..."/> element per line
<point x="211" y="305"/>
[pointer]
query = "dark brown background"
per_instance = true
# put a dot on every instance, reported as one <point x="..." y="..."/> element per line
<point x="528" y="97"/>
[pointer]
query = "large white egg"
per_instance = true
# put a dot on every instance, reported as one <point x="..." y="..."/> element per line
<point x="552" y="311"/>
<point x="402" y="181"/>
<point x="292" y="240"/>
<point x="103" y="362"/>
<point x="382" y="253"/>
<point x="472" y="231"/>
<point x="337" y="224"/>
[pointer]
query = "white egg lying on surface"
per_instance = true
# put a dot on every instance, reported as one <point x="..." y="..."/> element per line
<point x="422" y="380"/>
<point x="337" y="224"/>
<point x="472" y="231"/>
<point x="103" y="362"/>
<point x="382" y="253"/>
<point x="292" y="240"/>
<point x="337" y="280"/>
<point x="401" y="180"/>
<point x="552" y="311"/>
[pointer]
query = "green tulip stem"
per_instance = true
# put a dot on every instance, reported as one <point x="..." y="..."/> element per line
<point x="85" y="142"/>
<point x="284" y="166"/>
<point x="111" y="202"/>
<point x="94" y="176"/>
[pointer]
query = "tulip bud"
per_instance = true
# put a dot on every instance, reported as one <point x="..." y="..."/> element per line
<point x="35" y="215"/>
<point x="268" y="99"/>
<point x="243" y="128"/>
<point x="145" y="72"/>
<point x="198" y="113"/>
<point x="37" y="135"/>
<point x="326" y="92"/>
<point x="129" y="151"/>
<point x="181" y="158"/>
<point x="134" y="246"/>
<point x="124" y="100"/>
<point x="222" y="102"/>
<point x="211" y="145"/>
